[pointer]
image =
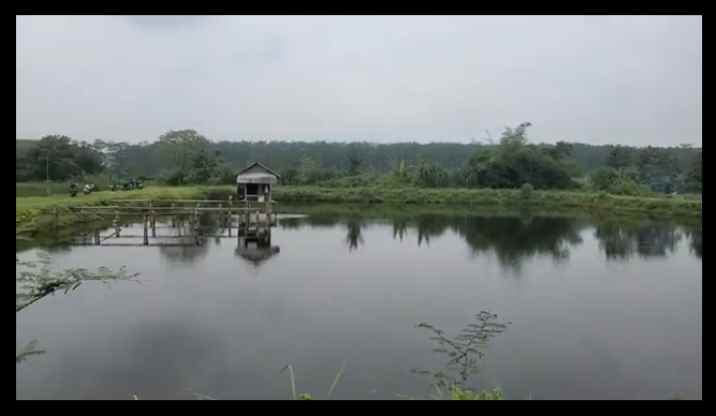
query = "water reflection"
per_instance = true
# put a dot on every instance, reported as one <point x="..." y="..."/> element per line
<point x="191" y="243"/>
<point x="513" y="239"/>
<point x="185" y="253"/>
<point x="622" y="240"/>
<point x="354" y="236"/>
<point x="593" y="321"/>
<point x="400" y="228"/>
<point x="188" y="246"/>
<point x="431" y="226"/>
<point x="695" y="236"/>
<point x="256" y="251"/>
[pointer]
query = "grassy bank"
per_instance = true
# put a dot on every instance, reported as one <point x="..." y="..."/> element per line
<point x="36" y="213"/>
<point x="55" y="188"/>
<point x="23" y="189"/>
<point x="507" y="198"/>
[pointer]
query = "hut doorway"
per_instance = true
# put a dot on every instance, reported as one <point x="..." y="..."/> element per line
<point x="252" y="190"/>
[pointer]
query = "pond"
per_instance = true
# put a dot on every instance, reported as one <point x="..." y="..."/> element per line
<point x="598" y="308"/>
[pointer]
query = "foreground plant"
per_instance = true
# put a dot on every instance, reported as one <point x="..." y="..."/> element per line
<point x="307" y="396"/>
<point x="458" y="393"/>
<point x="463" y="354"/>
<point x="35" y="280"/>
<point x="27" y="350"/>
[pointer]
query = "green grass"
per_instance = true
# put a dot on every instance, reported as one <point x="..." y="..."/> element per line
<point x="36" y="213"/>
<point x="40" y="188"/>
<point x="655" y="206"/>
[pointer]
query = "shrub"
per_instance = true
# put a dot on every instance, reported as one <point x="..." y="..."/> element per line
<point x="223" y="176"/>
<point x="603" y="178"/>
<point x="526" y="191"/>
<point x="175" y="177"/>
<point x="628" y="187"/>
<point x="431" y="176"/>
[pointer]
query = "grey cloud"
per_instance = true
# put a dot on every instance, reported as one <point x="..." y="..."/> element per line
<point x="598" y="79"/>
<point x="169" y="21"/>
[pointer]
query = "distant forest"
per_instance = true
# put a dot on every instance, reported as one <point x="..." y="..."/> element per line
<point x="186" y="156"/>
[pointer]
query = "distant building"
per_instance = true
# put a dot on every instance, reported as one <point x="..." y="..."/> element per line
<point x="254" y="183"/>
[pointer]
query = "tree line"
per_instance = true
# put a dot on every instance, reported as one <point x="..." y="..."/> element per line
<point x="187" y="157"/>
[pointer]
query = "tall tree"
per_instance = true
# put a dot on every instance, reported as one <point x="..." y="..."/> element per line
<point x="183" y="145"/>
<point x="620" y="157"/>
<point x="658" y="168"/>
<point x="54" y="158"/>
<point x="695" y="174"/>
<point x="513" y="139"/>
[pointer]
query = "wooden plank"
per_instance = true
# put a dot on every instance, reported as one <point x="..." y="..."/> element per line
<point x="138" y="244"/>
<point x="188" y="201"/>
<point x="169" y="200"/>
<point x="159" y="237"/>
<point x="168" y="209"/>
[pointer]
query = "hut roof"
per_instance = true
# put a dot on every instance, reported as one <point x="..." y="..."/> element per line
<point x="257" y="173"/>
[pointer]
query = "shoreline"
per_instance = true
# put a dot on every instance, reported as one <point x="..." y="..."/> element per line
<point x="33" y="215"/>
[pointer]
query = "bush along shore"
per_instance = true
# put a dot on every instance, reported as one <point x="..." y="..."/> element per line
<point x="591" y="202"/>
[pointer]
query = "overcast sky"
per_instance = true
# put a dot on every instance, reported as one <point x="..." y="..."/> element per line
<point x="599" y="79"/>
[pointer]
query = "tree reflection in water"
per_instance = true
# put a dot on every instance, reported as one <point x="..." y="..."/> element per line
<point x="621" y="240"/>
<point x="431" y="225"/>
<point x="400" y="228"/>
<point x="513" y="239"/>
<point x="694" y="235"/>
<point x="354" y="237"/>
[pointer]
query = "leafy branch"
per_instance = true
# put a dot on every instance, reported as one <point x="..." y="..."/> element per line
<point x="28" y="350"/>
<point x="463" y="351"/>
<point x="33" y="284"/>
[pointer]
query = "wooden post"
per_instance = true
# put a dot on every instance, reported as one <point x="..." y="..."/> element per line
<point x="248" y="221"/>
<point x="146" y="231"/>
<point x="96" y="237"/>
<point x="222" y="215"/>
<point x="231" y="215"/>
<point x="57" y="219"/>
<point x="153" y="219"/>
<point x="154" y="224"/>
<point x="196" y="225"/>
<point x="268" y="204"/>
<point x="117" y="225"/>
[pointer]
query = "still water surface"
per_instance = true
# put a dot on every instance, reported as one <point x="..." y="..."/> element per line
<point x="604" y="309"/>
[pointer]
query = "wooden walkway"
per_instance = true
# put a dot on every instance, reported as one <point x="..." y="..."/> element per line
<point x="250" y="219"/>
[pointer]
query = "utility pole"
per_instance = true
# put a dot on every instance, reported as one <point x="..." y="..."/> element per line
<point x="47" y="172"/>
